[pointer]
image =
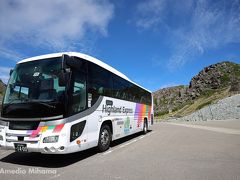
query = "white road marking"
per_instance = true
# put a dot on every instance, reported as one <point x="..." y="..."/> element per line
<point x="4" y="152"/>
<point x="215" y="129"/>
<point x="150" y="133"/>
<point x="107" y="152"/>
<point x="128" y="143"/>
<point x="122" y="146"/>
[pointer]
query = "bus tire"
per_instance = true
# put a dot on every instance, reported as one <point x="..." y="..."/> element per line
<point x="105" y="137"/>
<point x="145" y="127"/>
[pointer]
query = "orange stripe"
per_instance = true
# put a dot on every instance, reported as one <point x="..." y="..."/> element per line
<point x="44" y="128"/>
<point x="144" y="111"/>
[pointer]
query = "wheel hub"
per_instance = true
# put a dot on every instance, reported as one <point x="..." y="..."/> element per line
<point x="104" y="137"/>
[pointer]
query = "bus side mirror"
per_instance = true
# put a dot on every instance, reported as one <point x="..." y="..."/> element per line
<point x="11" y="71"/>
<point x="72" y="62"/>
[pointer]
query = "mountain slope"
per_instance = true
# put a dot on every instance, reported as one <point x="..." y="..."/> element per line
<point x="214" y="82"/>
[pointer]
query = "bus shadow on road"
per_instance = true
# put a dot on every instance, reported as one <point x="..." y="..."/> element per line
<point x="58" y="160"/>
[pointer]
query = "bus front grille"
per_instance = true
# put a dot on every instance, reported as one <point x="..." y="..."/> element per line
<point x="23" y="125"/>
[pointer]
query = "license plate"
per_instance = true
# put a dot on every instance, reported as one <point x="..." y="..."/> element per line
<point x="21" y="147"/>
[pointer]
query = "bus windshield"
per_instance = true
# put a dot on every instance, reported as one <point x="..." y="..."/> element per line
<point x="33" y="90"/>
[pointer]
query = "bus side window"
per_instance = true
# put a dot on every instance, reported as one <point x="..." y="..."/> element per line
<point x="99" y="82"/>
<point x="78" y="92"/>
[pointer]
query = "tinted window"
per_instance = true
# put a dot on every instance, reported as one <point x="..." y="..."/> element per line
<point x="102" y="82"/>
<point x="119" y="88"/>
<point x="122" y="89"/>
<point x="78" y="91"/>
<point x="99" y="82"/>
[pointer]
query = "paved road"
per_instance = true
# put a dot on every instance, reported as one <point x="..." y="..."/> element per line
<point x="169" y="151"/>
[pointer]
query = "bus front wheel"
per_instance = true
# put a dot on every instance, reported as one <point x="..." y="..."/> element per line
<point x="105" y="137"/>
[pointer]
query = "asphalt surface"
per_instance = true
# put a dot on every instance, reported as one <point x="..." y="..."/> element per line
<point x="206" y="150"/>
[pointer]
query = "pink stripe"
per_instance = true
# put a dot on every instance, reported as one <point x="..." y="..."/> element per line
<point x="58" y="128"/>
<point x="36" y="132"/>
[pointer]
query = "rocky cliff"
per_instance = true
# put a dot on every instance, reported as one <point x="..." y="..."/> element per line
<point x="2" y="89"/>
<point x="214" y="79"/>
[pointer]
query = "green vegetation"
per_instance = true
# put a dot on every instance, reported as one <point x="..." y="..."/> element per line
<point x="204" y="104"/>
<point x="208" y="93"/>
<point x="236" y="69"/>
<point x="155" y="102"/>
<point x="225" y="78"/>
<point x="159" y="114"/>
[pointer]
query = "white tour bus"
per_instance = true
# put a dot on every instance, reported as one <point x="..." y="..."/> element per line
<point x="67" y="102"/>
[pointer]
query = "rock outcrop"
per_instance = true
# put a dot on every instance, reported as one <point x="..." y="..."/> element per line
<point x="216" y="77"/>
<point x="170" y="99"/>
<point x="2" y="89"/>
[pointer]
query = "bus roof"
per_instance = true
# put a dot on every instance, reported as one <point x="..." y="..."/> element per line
<point x="82" y="56"/>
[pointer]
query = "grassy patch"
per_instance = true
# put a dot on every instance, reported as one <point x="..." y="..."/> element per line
<point x="225" y="78"/>
<point x="161" y="113"/>
<point x="203" y="105"/>
<point x="201" y="102"/>
<point x="208" y="93"/>
<point x="155" y="102"/>
<point x="236" y="68"/>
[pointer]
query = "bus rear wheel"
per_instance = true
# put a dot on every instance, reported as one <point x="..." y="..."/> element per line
<point x="105" y="137"/>
<point x="145" y="127"/>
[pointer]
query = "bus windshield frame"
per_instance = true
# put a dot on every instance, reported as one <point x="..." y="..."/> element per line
<point x="33" y="90"/>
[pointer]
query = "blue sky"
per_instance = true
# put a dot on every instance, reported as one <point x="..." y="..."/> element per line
<point x="156" y="43"/>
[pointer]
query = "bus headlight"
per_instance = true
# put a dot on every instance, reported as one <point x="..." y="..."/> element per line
<point x="50" y="139"/>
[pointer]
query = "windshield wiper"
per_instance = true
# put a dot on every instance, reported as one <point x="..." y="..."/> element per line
<point x="14" y="100"/>
<point x="35" y="102"/>
<point x="43" y="103"/>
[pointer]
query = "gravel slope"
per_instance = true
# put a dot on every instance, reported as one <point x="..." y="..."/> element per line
<point x="228" y="108"/>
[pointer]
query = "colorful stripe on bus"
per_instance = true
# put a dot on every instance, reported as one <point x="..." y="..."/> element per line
<point x="41" y="129"/>
<point x="142" y="111"/>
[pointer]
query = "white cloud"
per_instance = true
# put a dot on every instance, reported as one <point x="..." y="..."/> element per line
<point x="192" y="27"/>
<point x="10" y="54"/>
<point x="55" y="24"/>
<point x="168" y="85"/>
<point x="149" y="13"/>
<point x="4" y="73"/>
<point x="211" y="26"/>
